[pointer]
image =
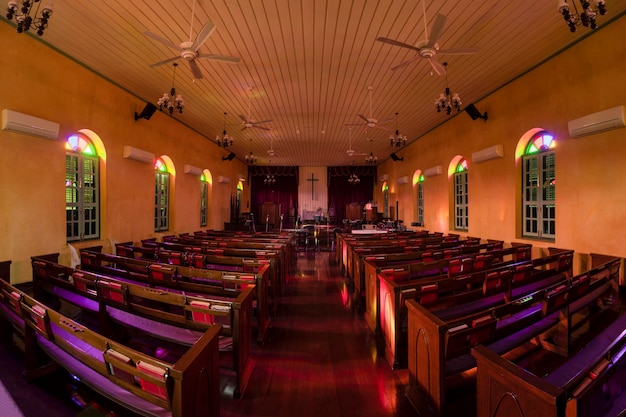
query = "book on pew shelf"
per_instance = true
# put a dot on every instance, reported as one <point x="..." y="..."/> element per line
<point x="40" y="312"/>
<point x="599" y="368"/>
<point x="154" y="371"/>
<point x="15" y="299"/>
<point x="199" y="316"/>
<point x="113" y="356"/>
<point x="481" y="320"/>
<point x="457" y="328"/>
<point x="220" y="307"/>
<point x="114" y="295"/>
<point x="581" y="387"/>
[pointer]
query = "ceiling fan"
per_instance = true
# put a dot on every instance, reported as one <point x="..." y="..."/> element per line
<point x="351" y="152"/>
<point x="189" y="49"/>
<point x="271" y="151"/>
<point x="370" y="122"/>
<point x="248" y="122"/>
<point x="429" y="48"/>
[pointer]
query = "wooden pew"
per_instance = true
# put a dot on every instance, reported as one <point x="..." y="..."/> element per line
<point x="191" y="279"/>
<point x="187" y="387"/>
<point x="373" y="266"/>
<point x="121" y="300"/>
<point x="277" y="275"/>
<point x="589" y="384"/>
<point x="439" y="351"/>
<point x="466" y="293"/>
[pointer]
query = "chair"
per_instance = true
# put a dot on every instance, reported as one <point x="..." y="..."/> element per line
<point x="310" y="237"/>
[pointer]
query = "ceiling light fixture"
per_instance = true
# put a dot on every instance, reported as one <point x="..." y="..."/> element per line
<point x="371" y="159"/>
<point x="23" y="18"/>
<point x="354" y="179"/>
<point x="446" y="100"/>
<point x="397" y="140"/>
<point x="587" y="17"/>
<point x="224" y="141"/>
<point x="269" y="179"/>
<point x="172" y="101"/>
<point x="251" y="158"/>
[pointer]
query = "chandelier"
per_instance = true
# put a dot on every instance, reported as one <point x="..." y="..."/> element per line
<point x="23" y="18"/>
<point x="587" y="17"/>
<point x="172" y="101"/>
<point x="371" y="159"/>
<point x="397" y="140"/>
<point x="446" y="101"/>
<point x="354" y="179"/>
<point x="250" y="158"/>
<point x="269" y="179"/>
<point x="224" y="141"/>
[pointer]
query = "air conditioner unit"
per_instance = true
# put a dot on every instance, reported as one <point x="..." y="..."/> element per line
<point x="223" y="180"/>
<point x="138" y="154"/>
<point x="403" y="180"/>
<point x="486" y="154"/>
<point x="601" y="121"/>
<point x="383" y="177"/>
<point x="30" y="125"/>
<point x="436" y="170"/>
<point x="190" y="169"/>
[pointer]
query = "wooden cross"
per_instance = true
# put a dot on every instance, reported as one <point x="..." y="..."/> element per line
<point x="312" y="179"/>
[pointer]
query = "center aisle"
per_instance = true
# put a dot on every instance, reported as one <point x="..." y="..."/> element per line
<point x="320" y="359"/>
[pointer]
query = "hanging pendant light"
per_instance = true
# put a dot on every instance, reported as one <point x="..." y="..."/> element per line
<point x="224" y="141"/>
<point x="446" y="102"/>
<point x="172" y="101"/>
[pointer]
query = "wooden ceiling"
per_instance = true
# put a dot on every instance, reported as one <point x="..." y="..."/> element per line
<point x="308" y="64"/>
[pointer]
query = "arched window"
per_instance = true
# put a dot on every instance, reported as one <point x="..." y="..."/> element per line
<point x="538" y="184"/>
<point x="161" y="196"/>
<point x="420" y="200"/>
<point x="385" y="200"/>
<point x="82" y="189"/>
<point x="204" y="199"/>
<point x="460" y="196"/>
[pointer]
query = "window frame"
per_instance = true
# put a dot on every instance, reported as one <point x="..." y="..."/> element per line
<point x="539" y="188"/>
<point x="80" y="198"/>
<point x="461" y="196"/>
<point x="161" y="197"/>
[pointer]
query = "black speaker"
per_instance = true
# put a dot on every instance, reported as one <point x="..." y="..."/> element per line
<point x="473" y="112"/>
<point x="396" y="157"/>
<point x="147" y="112"/>
<point x="230" y="157"/>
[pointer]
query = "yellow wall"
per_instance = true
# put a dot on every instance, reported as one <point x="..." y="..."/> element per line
<point x="590" y="171"/>
<point x="40" y="82"/>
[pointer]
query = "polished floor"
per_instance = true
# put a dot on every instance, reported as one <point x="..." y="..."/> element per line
<point x="320" y="359"/>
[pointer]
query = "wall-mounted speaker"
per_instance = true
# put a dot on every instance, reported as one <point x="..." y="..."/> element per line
<point x="147" y="112"/>
<point x="473" y="112"/>
<point x="230" y="157"/>
<point x="396" y="157"/>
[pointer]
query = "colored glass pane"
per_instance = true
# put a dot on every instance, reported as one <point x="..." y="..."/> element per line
<point x="540" y="142"/>
<point x="462" y="166"/>
<point x="159" y="165"/>
<point x="78" y="143"/>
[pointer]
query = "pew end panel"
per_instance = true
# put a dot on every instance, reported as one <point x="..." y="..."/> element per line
<point x="505" y="390"/>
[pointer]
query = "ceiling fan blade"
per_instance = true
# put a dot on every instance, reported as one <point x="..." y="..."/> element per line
<point x="458" y="51"/>
<point x="381" y="127"/>
<point x="263" y="121"/>
<point x="243" y="118"/>
<point x="405" y="63"/>
<point x="195" y="69"/>
<point x="222" y="58"/>
<point x="364" y="118"/>
<point x="261" y="127"/>
<point x="167" y="61"/>
<point x="397" y="43"/>
<point x="244" y="128"/>
<point x="437" y="29"/>
<point x="162" y="40"/>
<point x="203" y="35"/>
<point x="382" y="122"/>
<point x="439" y="69"/>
